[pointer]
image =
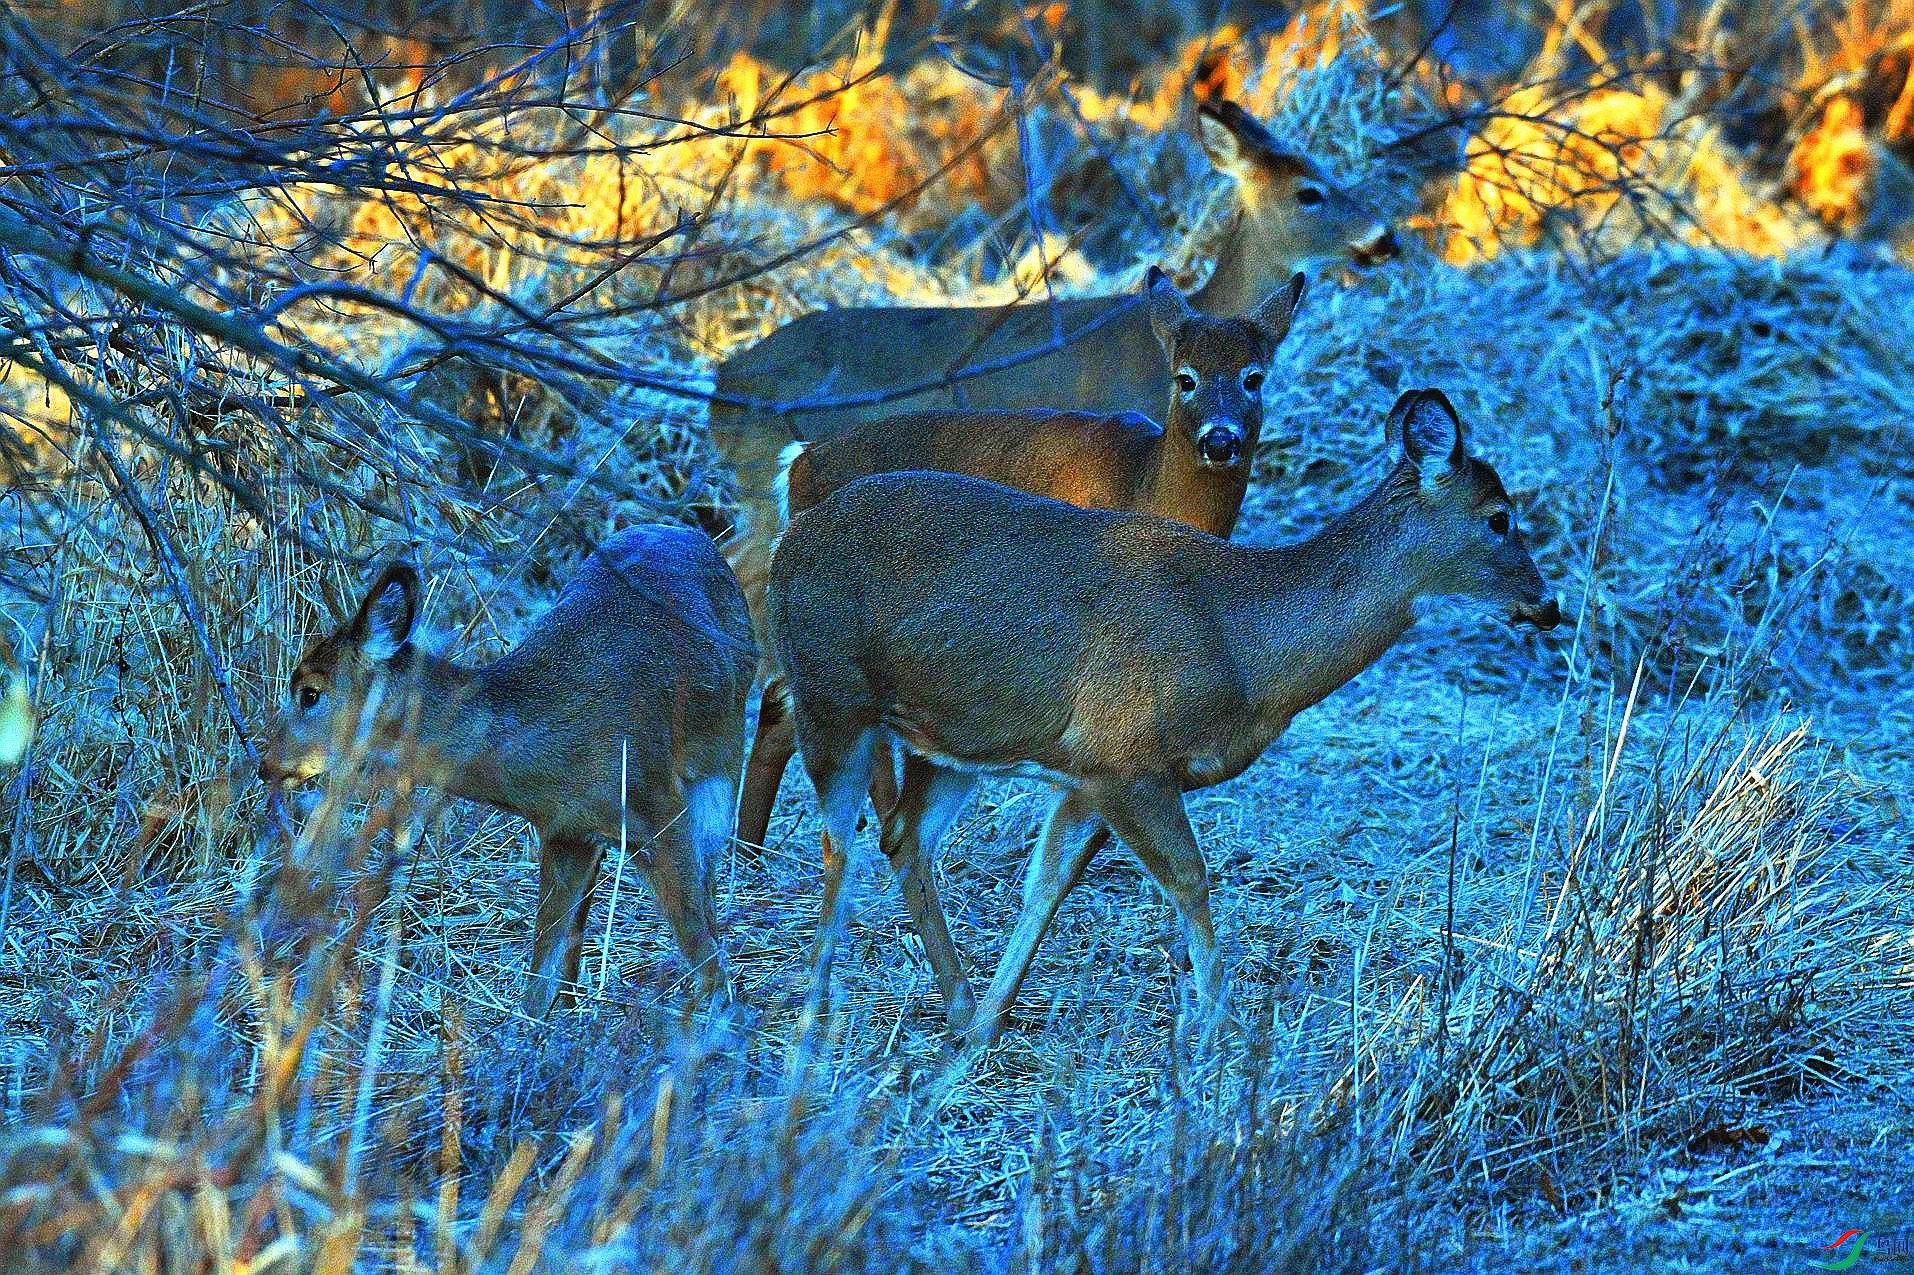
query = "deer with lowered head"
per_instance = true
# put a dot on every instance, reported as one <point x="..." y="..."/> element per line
<point x="1124" y="658"/>
<point x="1194" y="467"/>
<point x="830" y="370"/>
<point x="622" y="707"/>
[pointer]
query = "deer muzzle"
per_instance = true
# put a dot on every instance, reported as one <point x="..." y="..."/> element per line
<point x="1544" y="615"/>
<point x="277" y="772"/>
<point x="1378" y="247"/>
<point x="1220" y="445"/>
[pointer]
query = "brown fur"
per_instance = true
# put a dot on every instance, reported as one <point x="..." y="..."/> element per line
<point x="858" y="357"/>
<point x="1098" y="461"/>
<point x="1123" y="657"/>
<point x="644" y="664"/>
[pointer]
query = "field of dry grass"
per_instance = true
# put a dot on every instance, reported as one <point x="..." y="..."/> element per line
<point x="1583" y="951"/>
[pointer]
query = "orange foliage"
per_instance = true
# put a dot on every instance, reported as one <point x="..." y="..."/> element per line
<point x="1832" y="167"/>
<point x="1252" y="70"/>
<point x="1523" y="164"/>
<point x="862" y="140"/>
<point x="1589" y="159"/>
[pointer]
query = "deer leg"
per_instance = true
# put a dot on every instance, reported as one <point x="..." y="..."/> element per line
<point x="712" y="811"/>
<point x="747" y="549"/>
<point x="841" y="772"/>
<point x="884" y="784"/>
<point x="931" y="798"/>
<point x="567" y="868"/>
<point x="1150" y="820"/>
<point x="1072" y="835"/>
<point x="678" y="877"/>
<point x="771" y="750"/>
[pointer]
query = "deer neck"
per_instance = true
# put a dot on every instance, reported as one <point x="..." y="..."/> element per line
<point x="1317" y="613"/>
<point x="1240" y="280"/>
<point x="455" y="722"/>
<point x="1177" y="484"/>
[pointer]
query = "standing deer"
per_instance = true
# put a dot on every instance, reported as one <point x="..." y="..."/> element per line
<point x="625" y="702"/>
<point x="829" y="370"/>
<point x="1193" y="468"/>
<point x="1124" y="658"/>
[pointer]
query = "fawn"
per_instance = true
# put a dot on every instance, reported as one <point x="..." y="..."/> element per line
<point x="829" y="370"/>
<point x="1193" y="468"/>
<point x="642" y="669"/>
<point x="1121" y="657"/>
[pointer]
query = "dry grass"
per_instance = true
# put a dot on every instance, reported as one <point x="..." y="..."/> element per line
<point x="1514" y="925"/>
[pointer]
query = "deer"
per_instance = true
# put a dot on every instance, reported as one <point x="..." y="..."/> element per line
<point x="1195" y="467"/>
<point x="1125" y="659"/>
<point x="622" y="708"/>
<point x="829" y="370"/>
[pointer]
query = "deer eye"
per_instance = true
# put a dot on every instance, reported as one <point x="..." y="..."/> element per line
<point x="1253" y="380"/>
<point x="1499" y="522"/>
<point x="1308" y="196"/>
<point x="308" y="696"/>
<point x="1186" y="381"/>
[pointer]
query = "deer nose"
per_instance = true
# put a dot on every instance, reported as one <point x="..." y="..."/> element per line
<point x="1379" y="247"/>
<point x="1219" y="444"/>
<point x="1544" y="617"/>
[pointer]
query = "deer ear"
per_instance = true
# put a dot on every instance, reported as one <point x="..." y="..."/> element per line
<point x="1424" y="425"/>
<point x="390" y="610"/>
<point x="1229" y="135"/>
<point x="1241" y="145"/>
<point x="1278" y="310"/>
<point x="1168" y="310"/>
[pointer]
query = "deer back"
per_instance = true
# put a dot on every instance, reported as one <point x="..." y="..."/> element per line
<point x="1002" y="630"/>
<point x="644" y="653"/>
<point x="1081" y="458"/>
<point x="1092" y="353"/>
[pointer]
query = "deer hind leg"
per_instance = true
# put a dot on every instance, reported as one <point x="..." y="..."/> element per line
<point x="679" y="875"/>
<point x="931" y="798"/>
<point x="839" y="762"/>
<point x="772" y="748"/>
<point x="1150" y="820"/>
<point x="713" y="810"/>
<point x="884" y="779"/>
<point x="1072" y="835"/>
<point x="567" y="869"/>
<point x="747" y="548"/>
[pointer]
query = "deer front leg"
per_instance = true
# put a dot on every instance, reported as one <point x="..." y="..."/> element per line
<point x="840" y="765"/>
<point x="1071" y="838"/>
<point x="567" y="869"/>
<point x="1149" y="819"/>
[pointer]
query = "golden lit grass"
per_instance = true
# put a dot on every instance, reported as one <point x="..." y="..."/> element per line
<point x="869" y="140"/>
<point x="1533" y="161"/>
